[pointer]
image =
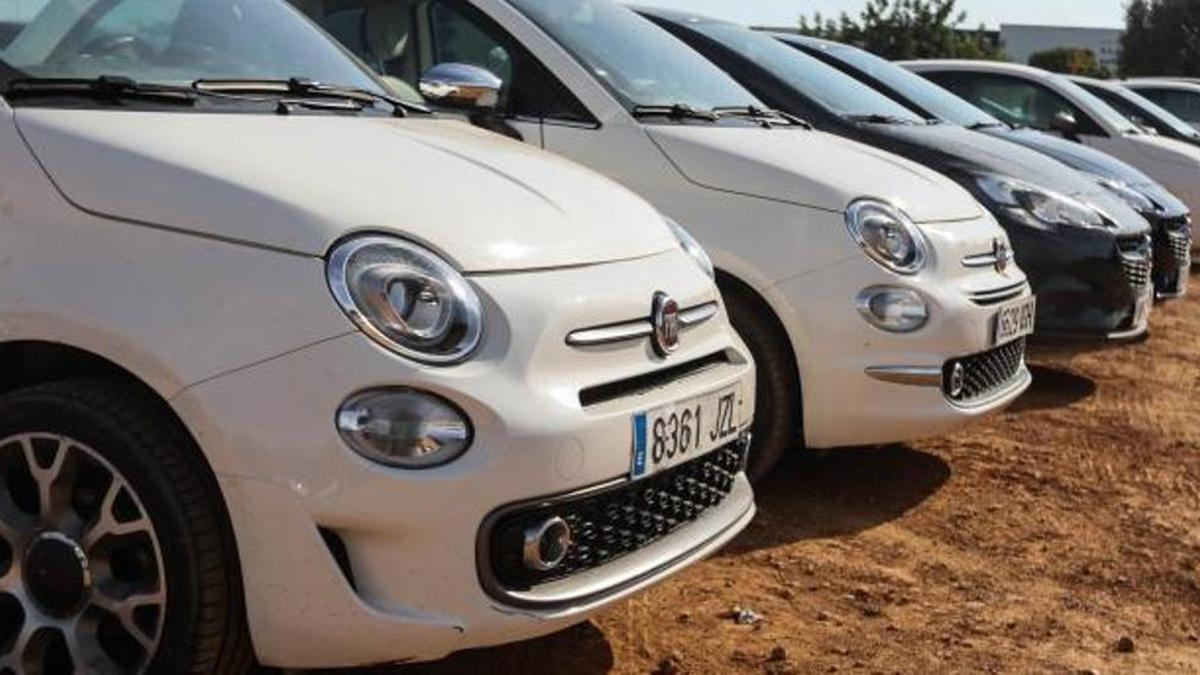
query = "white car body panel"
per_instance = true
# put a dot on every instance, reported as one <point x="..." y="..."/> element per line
<point x="222" y="309"/>
<point x="790" y="189"/>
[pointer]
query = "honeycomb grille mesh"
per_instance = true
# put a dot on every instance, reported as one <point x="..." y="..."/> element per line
<point x="616" y="522"/>
<point x="986" y="374"/>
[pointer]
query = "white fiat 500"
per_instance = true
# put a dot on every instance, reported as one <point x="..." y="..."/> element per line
<point x="290" y="370"/>
<point x="877" y="296"/>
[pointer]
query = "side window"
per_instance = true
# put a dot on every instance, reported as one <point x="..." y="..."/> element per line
<point x="1127" y="109"/>
<point x="463" y="34"/>
<point x="1018" y="101"/>
<point x="14" y="14"/>
<point x="1184" y="104"/>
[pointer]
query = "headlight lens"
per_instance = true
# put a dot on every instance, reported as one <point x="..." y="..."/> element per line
<point x="1047" y="207"/>
<point x="407" y="298"/>
<point x="895" y="310"/>
<point x="404" y="428"/>
<point x="887" y="235"/>
<point x="1136" y="200"/>
<point x="693" y="248"/>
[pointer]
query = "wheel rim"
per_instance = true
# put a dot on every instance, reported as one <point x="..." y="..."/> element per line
<point x="82" y="583"/>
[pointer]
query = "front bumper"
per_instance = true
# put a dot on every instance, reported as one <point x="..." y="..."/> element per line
<point x="348" y="563"/>
<point x="1172" y="255"/>
<point x="1090" y="284"/>
<point x="863" y="386"/>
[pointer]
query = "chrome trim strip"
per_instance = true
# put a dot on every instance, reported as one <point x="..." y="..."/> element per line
<point x="981" y="260"/>
<point x="916" y="376"/>
<point x="999" y="294"/>
<point x="636" y="330"/>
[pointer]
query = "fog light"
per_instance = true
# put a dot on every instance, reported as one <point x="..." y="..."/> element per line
<point x="958" y="381"/>
<point x="547" y="544"/>
<point x="895" y="310"/>
<point x="404" y="428"/>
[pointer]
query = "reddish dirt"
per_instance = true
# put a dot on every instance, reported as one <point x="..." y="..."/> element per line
<point x="1060" y="537"/>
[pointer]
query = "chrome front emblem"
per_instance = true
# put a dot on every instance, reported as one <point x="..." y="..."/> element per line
<point x="664" y="317"/>
<point x="1004" y="255"/>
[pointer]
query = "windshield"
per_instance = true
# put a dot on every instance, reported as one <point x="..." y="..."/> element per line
<point x="170" y="42"/>
<point x="925" y="94"/>
<point x="1129" y="101"/>
<point x="1099" y="108"/>
<point x="640" y="63"/>
<point x="829" y="86"/>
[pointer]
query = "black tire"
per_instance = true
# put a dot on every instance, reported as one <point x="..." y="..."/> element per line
<point x="201" y="624"/>
<point x="778" y="418"/>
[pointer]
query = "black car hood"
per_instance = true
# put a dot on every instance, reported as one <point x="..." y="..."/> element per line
<point x="1089" y="160"/>
<point x="957" y="151"/>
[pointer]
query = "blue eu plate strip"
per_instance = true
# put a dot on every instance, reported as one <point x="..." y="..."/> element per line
<point x="639" y="444"/>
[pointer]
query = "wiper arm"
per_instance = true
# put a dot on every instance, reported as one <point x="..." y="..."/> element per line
<point x="105" y="87"/>
<point x="301" y="87"/>
<point x="677" y="111"/>
<point x="767" y="115"/>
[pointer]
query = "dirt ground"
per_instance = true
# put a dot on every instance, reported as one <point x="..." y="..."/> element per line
<point x="1060" y="537"/>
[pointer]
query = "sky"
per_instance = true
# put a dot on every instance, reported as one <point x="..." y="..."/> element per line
<point x="1092" y="13"/>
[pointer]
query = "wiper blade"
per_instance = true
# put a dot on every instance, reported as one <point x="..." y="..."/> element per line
<point x="677" y="111"/>
<point x="767" y="115"/>
<point x="980" y="126"/>
<point x="305" y="88"/>
<point x="105" y="87"/>
<point x="876" y="118"/>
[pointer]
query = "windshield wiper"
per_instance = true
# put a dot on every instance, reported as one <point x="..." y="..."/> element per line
<point x="105" y="87"/>
<point x="766" y="115"/>
<point x="876" y="118"/>
<point x="305" y="88"/>
<point x="677" y="111"/>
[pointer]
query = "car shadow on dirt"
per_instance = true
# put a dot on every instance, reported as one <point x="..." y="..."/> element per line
<point x="581" y="650"/>
<point x="836" y="493"/>
<point x="1054" y="388"/>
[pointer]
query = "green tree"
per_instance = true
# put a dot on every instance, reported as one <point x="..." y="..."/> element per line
<point x="906" y="29"/>
<point x="1162" y="37"/>
<point x="1070" y="61"/>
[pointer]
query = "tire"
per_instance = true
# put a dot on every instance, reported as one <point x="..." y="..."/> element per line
<point x="778" y="418"/>
<point x="160" y="590"/>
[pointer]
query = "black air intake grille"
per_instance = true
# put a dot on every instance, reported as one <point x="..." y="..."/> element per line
<point x="984" y="375"/>
<point x="614" y="522"/>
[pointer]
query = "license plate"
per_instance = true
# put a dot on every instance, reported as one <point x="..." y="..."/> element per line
<point x="1014" y="320"/>
<point x="680" y="432"/>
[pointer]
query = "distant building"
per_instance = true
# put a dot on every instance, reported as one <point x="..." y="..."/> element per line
<point x="1020" y="41"/>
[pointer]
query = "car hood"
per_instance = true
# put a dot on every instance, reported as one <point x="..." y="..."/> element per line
<point x="299" y="183"/>
<point x="809" y="168"/>
<point x="1091" y="161"/>
<point x="958" y="152"/>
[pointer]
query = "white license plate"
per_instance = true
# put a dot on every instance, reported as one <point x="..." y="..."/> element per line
<point x="680" y="432"/>
<point x="1014" y="320"/>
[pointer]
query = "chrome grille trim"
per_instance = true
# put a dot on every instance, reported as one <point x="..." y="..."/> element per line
<point x="638" y="329"/>
<point x="1137" y="261"/>
<point x="996" y="296"/>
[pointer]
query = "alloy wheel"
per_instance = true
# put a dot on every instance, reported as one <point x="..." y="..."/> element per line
<point x="82" y="582"/>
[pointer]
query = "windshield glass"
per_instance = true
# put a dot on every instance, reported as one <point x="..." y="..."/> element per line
<point x="933" y="99"/>
<point x="827" y="85"/>
<point x="1153" y="111"/>
<point x="1099" y="108"/>
<point x="640" y="63"/>
<point x="171" y="42"/>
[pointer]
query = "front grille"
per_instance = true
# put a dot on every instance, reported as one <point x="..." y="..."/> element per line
<point x="976" y="378"/>
<point x="996" y="296"/>
<point x="1136" y="267"/>
<point x="613" y="522"/>
<point x="612" y="391"/>
<point x="1181" y="247"/>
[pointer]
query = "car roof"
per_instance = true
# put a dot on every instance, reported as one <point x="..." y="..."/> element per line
<point x="1162" y="84"/>
<point x="805" y="39"/>
<point x="978" y="66"/>
<point x="678" y="15"/>
<point x="1105" y="84"/>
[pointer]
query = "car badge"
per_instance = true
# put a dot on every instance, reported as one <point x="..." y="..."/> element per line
<point x="1003" y="254"/>
<point x="664" y="318"/>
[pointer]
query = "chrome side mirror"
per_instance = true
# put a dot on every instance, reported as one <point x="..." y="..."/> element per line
<point x="461" y="86"/>
<point x="1065" y="124"/>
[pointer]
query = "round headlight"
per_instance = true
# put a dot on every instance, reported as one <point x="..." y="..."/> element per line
<point x="404" y="428"/>
<point x="895" y="310"/>
<point x="693" y="249"/>
<point x="407" y="298"/>
<point x="887" y="236"/>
